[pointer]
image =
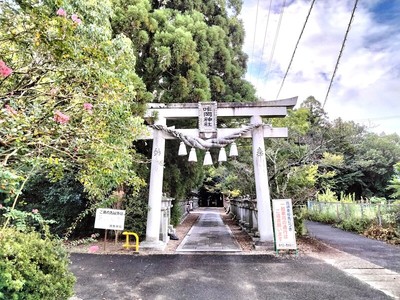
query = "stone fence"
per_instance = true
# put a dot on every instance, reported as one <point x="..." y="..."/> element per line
<point x="244" y="210"/>
<point x="184" y="207"/>
<point x="165" y="226"/>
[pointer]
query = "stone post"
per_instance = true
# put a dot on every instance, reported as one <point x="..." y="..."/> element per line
<point x="165" y="218"/>
<point x="262" y="185"/>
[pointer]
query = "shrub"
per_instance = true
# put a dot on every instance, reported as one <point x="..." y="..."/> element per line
<point x="176" y="213"/>
<point x="358" y="225"/>
<point x="62" y="201"/>
<point x="136" y="213"/>
<point x="323" y="217"/>
<point x="33" y="268"/>
<point x="390" y="234"/>
<point x="378" y="200"/>
<point x="299" y="216"/>
<point x="327" y="196"/>
<point x="25" y="221"/>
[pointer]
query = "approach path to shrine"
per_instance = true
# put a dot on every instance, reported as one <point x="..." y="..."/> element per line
<point x="206" y="274"/>
<point x="209" y="234"/>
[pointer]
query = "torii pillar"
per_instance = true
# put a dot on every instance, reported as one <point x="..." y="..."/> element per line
<point x="155" y="191"/>
<point x="254" y="110"/>
<point x="265" y="228"/>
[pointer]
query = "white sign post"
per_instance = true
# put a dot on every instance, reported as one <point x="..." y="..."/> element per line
<point x="285" y="235"/>
<point x="107" y="218"/>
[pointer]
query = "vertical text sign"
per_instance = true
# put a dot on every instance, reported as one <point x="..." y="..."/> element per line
<point x="285" y="235"/>
<point x="107" y="218"/>
<point x="208" y="117"/>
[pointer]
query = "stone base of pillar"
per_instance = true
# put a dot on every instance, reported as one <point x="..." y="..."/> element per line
<point x="264" y="246"/>
<point x="152" y="246"/>
<point x="171" y="229"/>
<point x="253" y="233"/>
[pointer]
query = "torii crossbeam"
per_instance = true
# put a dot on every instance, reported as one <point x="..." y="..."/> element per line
<point x="254" y="110"/>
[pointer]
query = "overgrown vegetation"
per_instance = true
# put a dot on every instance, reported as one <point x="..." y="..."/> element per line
<point x="378" y="220"/>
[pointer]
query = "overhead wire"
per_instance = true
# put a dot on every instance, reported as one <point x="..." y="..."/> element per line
<point x="265" y="37"/>
<point x="295" y="49"/>
<point x="341" y="51"/>
<point x="275" y="40"/>
<point x="379" y="118"/>
<point x="254" y="36"/>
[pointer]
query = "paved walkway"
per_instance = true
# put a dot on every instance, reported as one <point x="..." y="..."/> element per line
<point x="209" y="234"/>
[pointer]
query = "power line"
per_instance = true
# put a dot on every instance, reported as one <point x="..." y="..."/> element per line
<point x="254" y="36"/>
<point x="265" y="37"/>
<point x="341" y="51"/>
<point x="275" y="39"/>
<point x="378" y="118"/>
<point x="295" y="48"/>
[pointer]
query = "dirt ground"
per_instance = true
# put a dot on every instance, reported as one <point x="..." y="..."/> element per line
<point x="305" y="244"/>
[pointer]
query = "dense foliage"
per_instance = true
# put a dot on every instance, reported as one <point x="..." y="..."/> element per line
<point x="320" y="155"/>
<point x="187" y="51"/>
<point x="32" y="267"/>
<point x="73" y="100"/>
<point x="394" y="183"/>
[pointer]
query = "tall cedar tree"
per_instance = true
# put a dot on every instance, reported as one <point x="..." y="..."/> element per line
<point x="187" y="51"/>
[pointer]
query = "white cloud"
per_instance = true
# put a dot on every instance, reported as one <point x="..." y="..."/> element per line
<point x="366" y="87"/>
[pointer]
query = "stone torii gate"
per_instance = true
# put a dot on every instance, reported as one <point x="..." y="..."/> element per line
<point x="208" y="136"/>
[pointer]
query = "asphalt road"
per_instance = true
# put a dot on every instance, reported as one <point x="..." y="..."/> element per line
<point x="208" y="277"/>
<point x="377" y="252"/>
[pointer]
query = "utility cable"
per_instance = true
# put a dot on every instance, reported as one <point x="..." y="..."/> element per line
<point x="275" y="40"/>
<point x="295" y="48"/>
<point x="254" y="36"/>
<point x="378" y="118"/>
<point x="265" y="37"/>
<point x="341" y="51"/>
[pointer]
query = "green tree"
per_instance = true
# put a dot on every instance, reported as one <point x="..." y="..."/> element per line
<point x="368" y="159"/>
<point x="293" y="162"/>
<point x="394" y="183"/>
<point x="73" y="100"/>
<point x="187" y="51"/>
<point x="376" y="157"/>
<point x="304" y="163"/>
<point x="345" y="139"/>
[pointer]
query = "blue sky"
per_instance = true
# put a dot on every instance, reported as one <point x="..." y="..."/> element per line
<point x="367" y="83"/>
